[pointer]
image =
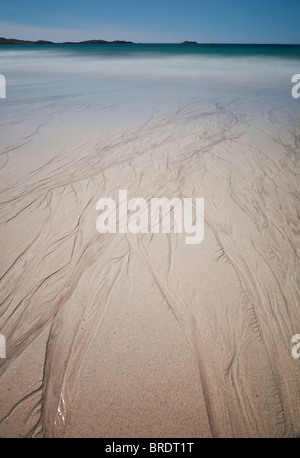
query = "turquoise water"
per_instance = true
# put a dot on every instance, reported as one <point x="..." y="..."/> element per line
<point x="152" y="60"/>
<point x="159" y="73"/>
<point x="288" y="51"/>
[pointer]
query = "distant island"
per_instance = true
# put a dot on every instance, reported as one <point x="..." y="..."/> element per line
<point x="189" y="43"/>
<point x="14" y="41"/>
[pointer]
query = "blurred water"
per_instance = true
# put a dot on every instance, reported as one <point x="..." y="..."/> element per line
<point x="233" y="63"/>
<point x="148" y="74"/>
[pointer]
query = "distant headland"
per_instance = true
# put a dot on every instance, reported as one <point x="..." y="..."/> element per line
<point x="15" y="41"/>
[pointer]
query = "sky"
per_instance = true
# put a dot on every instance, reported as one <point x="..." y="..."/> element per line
<point x="153" y="21"/>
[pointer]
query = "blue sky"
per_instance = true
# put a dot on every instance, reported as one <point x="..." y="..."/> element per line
<point x="154" y="21"/>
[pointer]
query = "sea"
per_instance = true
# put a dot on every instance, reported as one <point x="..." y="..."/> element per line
<point x="211" y="67"/>
<point x="128" y="83"/>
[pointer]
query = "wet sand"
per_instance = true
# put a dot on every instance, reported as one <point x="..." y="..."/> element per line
<point x="124" y="335"/>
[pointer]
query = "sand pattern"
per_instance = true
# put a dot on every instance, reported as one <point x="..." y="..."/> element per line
<point x="235" y="296"/>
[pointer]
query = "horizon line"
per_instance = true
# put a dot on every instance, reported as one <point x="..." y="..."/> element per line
<point x="102" y="41"/>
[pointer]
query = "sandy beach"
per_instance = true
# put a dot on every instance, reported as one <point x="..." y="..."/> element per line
<point x="142" y="335"/>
